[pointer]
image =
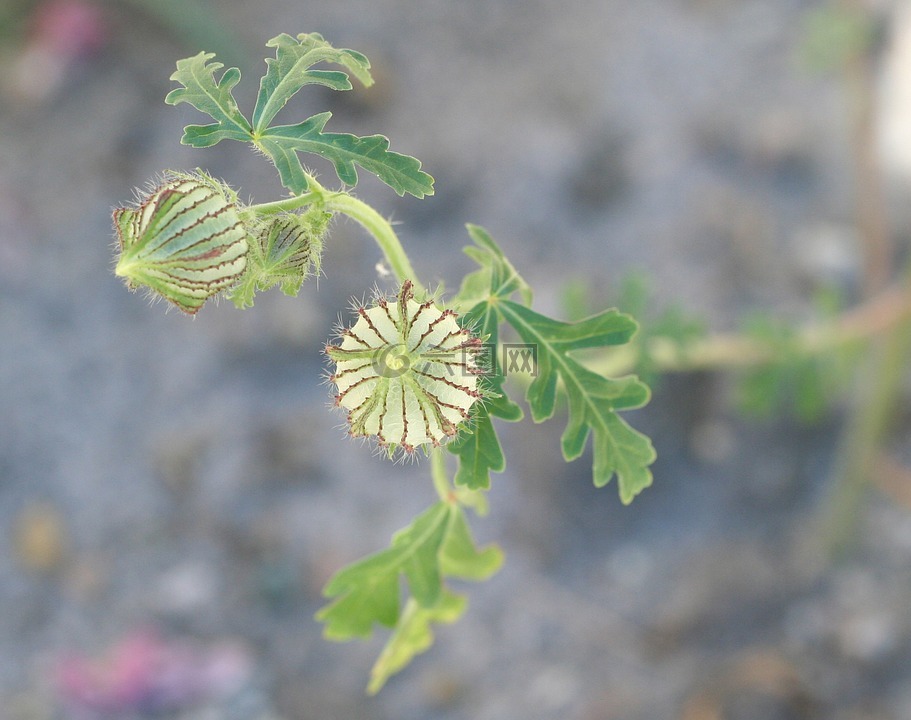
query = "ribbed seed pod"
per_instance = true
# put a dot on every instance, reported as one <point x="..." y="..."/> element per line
<point x="406" y="372"/>
<point x="285" y="251"/>
<point x="290" y="249"/>
<point x="184" y="241"/>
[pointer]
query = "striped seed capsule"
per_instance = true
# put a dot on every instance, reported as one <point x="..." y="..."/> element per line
<point x="284" y="250"/>
<point x="184" y="241"/>
<point x="406" y="372"/>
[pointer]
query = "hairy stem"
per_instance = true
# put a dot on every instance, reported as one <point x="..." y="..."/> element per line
<point x="287" y="205"/>
<point x="381" y="230"/>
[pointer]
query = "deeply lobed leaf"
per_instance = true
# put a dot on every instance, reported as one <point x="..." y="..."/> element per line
<point x="413" y="632"/>
<point x="400" y="172"/>
<point x="479" y="451"/>
<point x="593" y="399"/>
<point x="286" y="73"/>
<point x="368" y="590"/>
<point x="290" y="70"/>
<point x="214" y="98"/>
<point x="437" y="544"/>
<point x="413" y="635"/>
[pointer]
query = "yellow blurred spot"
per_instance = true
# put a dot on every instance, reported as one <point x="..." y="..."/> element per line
<point x="39" y="538"/>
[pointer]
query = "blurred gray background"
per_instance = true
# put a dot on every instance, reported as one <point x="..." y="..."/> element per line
<point x="174" y="492"/>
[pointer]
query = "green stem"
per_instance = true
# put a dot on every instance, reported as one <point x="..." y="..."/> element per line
<point x="439" y="475"/>
<point x="382" y="232"/>
<point x="287" y="205"/>
<point x="876" y="399"/>
<point x="879" y="315"/>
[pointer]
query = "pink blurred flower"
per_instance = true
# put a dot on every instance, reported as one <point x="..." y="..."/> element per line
<point x="144" y="673"/>
<point x="72" y="28"/>
<point x="62" y="33"/>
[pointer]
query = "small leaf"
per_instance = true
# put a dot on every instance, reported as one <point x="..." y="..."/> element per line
<point x="413" y="636"/>
<point x="438" y="544"/>
<point x="479" y="450"/>
<point x="459" y="557"/>
<point x="214" y="98"/>
<point x="400" y="172"/>
<point x="367" y="592"/>
<point x="290" y="70"/>
<point x="496" y="277"/>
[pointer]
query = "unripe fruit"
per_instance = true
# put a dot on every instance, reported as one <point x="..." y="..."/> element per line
<point x="184" y="241"/>
<point x="406" y="372"/>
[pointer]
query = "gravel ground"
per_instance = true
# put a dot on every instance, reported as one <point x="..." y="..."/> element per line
<point x="179" y="484"/>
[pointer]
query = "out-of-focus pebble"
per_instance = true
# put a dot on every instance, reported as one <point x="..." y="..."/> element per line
<point x="828" y="253"/>
<point x="868" y="635"/>
<point x="712" y="441"/>
<point x="186" y="588"/>
<point x="40" y="538"/>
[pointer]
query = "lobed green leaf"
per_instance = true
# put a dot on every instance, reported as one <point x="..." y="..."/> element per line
<point x="286" y="73"/>
<point x="413" y="635"/>
<point x="593" y="399"/>
<point x="290" y="70"/>
<point x="214" y="98"/>
<point x="437" y="543"/>
<point x="460" y="557"/>
<point x="400" y="172"/>
<point x="368" y="590"/>
<point x="479" y="450"/>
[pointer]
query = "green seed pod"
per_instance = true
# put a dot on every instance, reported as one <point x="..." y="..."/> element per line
<point x="184" y="241"/>
<point x="285" y="251"/>
<point x="406" y="372"/>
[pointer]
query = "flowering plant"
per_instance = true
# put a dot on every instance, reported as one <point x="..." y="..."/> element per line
<point x="413" y="372"/>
